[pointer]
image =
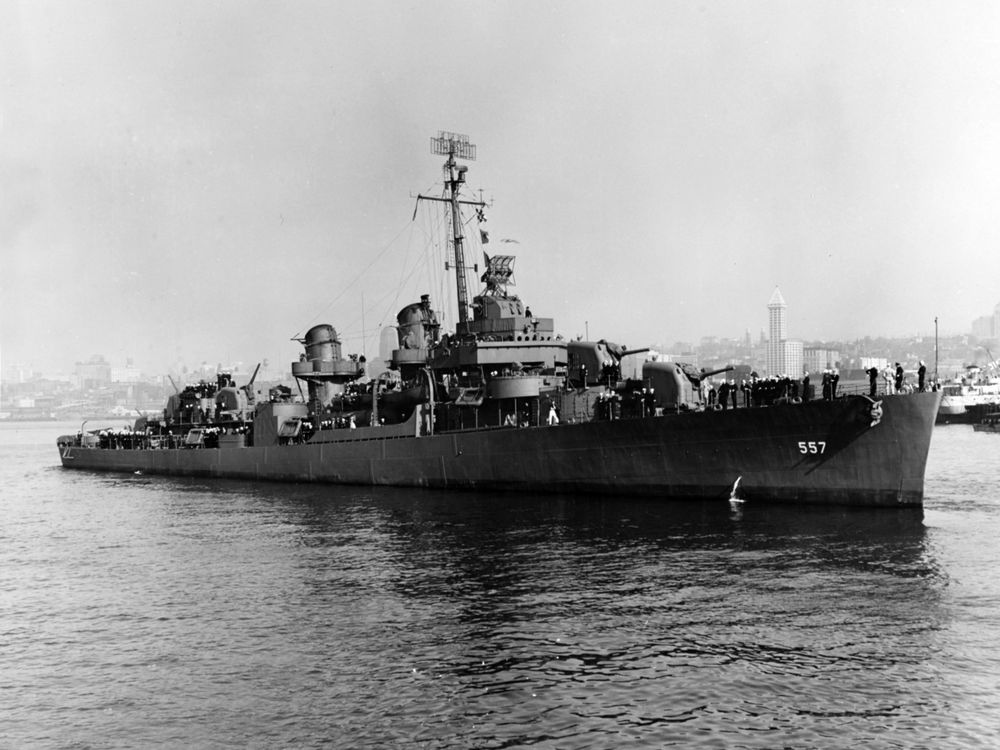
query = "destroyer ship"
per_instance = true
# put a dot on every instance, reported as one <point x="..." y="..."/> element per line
<point x="503" y="402"/>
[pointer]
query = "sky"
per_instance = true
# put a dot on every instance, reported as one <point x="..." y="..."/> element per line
<point x="201" y="182"/>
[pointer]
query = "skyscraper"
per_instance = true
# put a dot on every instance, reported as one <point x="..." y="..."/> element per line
<point x="784" y="357"/>
<point x="777" y="332"/>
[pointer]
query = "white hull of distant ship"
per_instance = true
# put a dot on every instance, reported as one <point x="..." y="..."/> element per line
<point x="968" y="402"/>
<point x="477" y="409"/>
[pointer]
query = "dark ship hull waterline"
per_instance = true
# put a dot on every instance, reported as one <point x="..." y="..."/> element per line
<point x="476" y="410"/>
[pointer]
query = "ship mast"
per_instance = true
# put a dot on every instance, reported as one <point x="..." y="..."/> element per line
<point x="455" y="145"/>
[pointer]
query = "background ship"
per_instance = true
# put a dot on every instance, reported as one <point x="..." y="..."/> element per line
<point x="971" y="397"/>
<point x="504" y="402"/>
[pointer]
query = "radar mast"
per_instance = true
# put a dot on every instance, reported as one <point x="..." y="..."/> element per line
<point x="456" y="146"/>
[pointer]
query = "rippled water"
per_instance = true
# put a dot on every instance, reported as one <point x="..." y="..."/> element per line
<point x="143" y="611"/>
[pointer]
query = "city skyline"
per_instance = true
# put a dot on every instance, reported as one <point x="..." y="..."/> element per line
<point x="776" y="353"/>
<point x="780" y="353"/>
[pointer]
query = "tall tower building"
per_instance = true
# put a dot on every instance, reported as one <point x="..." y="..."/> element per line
<point x="783" y="357"/>
<point x="777" y="332"/>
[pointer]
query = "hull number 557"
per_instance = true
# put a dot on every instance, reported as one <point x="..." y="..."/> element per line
<point x="813" y="446"/>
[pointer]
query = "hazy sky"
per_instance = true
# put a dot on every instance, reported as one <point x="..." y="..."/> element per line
<point x="204" y="180"/>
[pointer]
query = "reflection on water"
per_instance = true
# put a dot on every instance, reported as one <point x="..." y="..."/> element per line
<point x="150" y="610"/>
<point x="601" y="617"/>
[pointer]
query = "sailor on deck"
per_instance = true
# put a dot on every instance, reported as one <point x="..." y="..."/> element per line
<point x="553" y="417"/>
<point x="872" y="381"/>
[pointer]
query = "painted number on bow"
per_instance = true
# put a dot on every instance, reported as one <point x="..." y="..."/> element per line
<point x="812" y="446"/>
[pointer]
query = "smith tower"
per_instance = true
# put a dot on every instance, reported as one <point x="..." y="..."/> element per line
<point x="777" y="332"/>
<point x="784" y="357"/>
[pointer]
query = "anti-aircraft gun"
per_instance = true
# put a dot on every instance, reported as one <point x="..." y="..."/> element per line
<point x="192" y="404"/>
<point x="677" y="385"/>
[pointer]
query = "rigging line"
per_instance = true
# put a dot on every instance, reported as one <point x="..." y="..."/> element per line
<point x="432" y="231"/>
<point x="445" y="255"/>
<point x="407" y="270"/>
<point x="437" y="230"/>
<point x="387" y="297"/>
<point x="351" y="283"/>
<point x="351" y="330"/>
<point x="403" y="270"/>
<point x="431" y="261"/>
<point x="391" y="300"/>
<point x="411" y="263"/>
<point x="441" y="279"/>
<point x="404" y="273"/>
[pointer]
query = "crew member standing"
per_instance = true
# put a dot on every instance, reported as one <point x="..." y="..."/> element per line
<point x="899" y="377"/>
<point x="872" y="381"/>
<point x="921" y="374"/>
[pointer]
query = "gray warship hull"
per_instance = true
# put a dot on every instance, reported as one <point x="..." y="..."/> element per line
<point x="847" y="451"/>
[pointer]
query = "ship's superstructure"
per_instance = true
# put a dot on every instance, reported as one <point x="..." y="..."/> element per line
<point x="503" y="401"/>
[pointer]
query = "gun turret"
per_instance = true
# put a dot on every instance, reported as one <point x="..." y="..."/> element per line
<point x="677" y="384"/>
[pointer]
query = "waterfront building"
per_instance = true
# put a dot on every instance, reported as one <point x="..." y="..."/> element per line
<point x="127" y="374"/>
<point x="987" y="326"/>
<point x="15" y="373"/>
<point x="817" y="359"/>
<point x="879" y="363"/>
<point x="984" y="327"/>
<point x="94" y="373"/>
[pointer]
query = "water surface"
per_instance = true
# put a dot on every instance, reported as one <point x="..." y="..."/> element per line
<point x="144" y="611"/>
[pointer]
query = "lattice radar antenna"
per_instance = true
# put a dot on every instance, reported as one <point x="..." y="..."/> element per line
<point x="499" y="274"/>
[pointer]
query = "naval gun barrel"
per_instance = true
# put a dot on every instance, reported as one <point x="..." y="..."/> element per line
<point x="618" y="351"/>
<point x="710" y="373"/>
<point x="254" y="376"/>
